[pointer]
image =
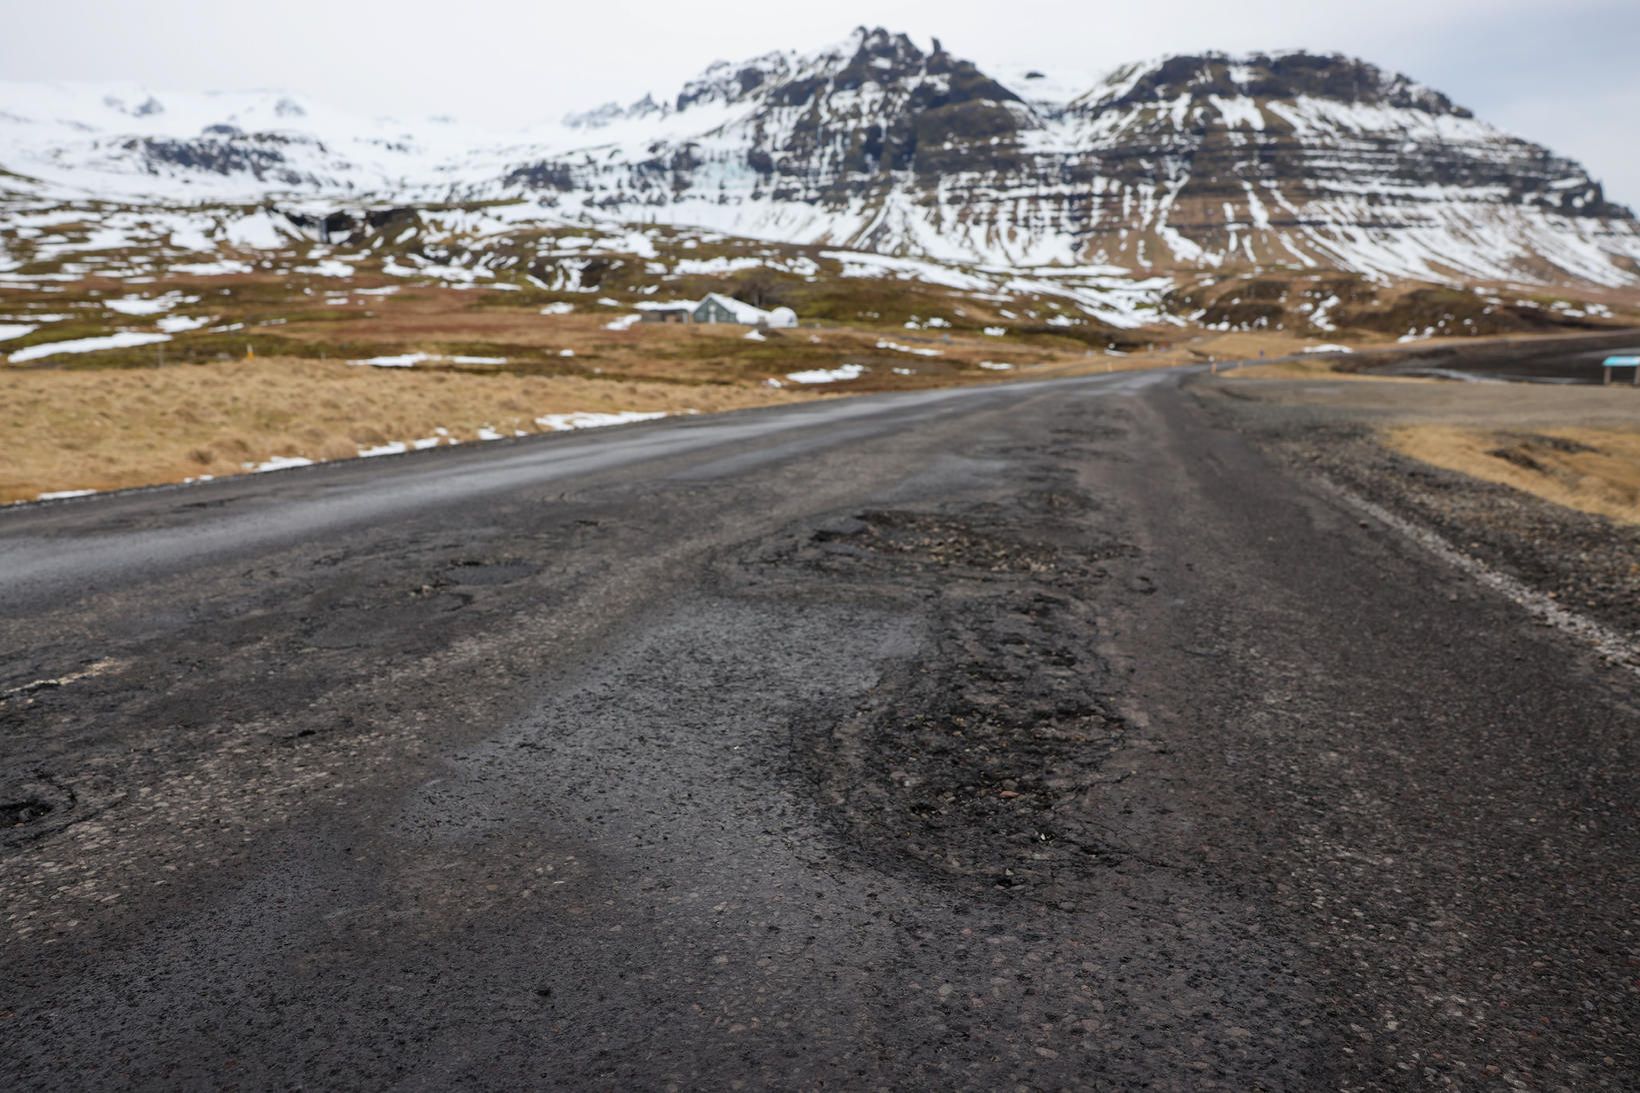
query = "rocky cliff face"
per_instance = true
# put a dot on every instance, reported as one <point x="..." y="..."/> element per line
<point x="1193" y="161"/>
<point x="1305" y="159"/>
<point x="846" y="133"/>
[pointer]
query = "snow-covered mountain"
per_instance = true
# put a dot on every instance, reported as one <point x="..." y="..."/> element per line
<point x="122" y="141"/>
<point x="1198" y="161"/>
<point x="1208" y="161"/>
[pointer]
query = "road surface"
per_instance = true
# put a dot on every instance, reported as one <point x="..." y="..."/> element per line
<point x="1041" y="734"/>
<point x="1562" y="359"/>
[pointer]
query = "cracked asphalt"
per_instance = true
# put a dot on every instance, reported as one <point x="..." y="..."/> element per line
<point x="1037" y="735"/>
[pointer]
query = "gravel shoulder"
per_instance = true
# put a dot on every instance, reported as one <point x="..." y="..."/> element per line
<point x="1337" y="429"/>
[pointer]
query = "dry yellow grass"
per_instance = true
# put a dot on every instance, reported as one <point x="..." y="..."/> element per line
<point x="1595" y="470"/>
<point x="1238" y="354"/>
<point x="109" y="429"/>
<point x="1227" y="349"/>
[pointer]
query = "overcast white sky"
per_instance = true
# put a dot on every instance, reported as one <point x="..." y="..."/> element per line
<point x="1564" y="73"/>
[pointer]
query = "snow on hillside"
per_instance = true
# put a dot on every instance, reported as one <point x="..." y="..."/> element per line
<point x="1047" y="90"/>
<point x="876" y="144"/>
<point x="1210" y="161"/>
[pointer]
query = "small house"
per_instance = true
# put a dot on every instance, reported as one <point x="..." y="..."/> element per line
<point x="717" y="308"/>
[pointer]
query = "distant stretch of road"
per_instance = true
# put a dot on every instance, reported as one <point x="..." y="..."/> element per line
<point x="1571" y="359"/>
<point x="1037" y="734"/>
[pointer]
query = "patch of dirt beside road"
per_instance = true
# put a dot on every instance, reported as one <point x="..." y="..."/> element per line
<point x="1540" y="482"/>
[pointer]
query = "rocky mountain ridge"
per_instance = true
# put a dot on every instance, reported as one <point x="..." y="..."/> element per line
<point x="1208" y="161"/>
<point x="1192" y="161"/>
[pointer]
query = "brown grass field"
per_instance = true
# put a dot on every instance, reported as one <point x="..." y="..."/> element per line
<point x="501" y="356"/>
<point x="114" y="428"/>
<point x="1592" y="469"/>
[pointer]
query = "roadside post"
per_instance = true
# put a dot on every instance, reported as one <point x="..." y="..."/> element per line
<point x="1631" y="363"/>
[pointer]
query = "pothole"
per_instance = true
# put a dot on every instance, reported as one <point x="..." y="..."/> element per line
<point x="927" y="539"/>
<point x="482" y="573"/>
<point x="18" y="813"/>
<point x="34" y="806"/>
<point x="982" y="760"/>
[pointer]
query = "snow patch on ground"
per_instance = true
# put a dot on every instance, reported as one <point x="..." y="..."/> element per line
<point x="713" y="267"/>
<point x="329" y="267"/>
<point x="279" y="463"/>
<point x="898" y="348"/>
<point x="148" y="305"/>
<point x="126" y="339"/>
<point x="401" y="360"/>
<point x="587" y="419"/>
<point x="225" y="268"/>
<point x="410" y="360"/>
<point x="839" y="374"/>
<point x="260" y="231"/>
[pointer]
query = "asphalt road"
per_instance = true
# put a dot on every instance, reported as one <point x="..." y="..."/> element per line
<point x="1036" y="735"/>
<point x="1566" y="359"/>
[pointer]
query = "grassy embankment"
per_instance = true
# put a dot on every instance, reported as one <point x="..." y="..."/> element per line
<point x="115" y="428"/>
